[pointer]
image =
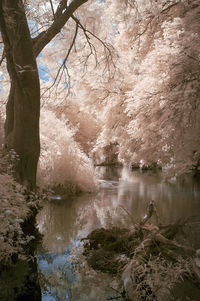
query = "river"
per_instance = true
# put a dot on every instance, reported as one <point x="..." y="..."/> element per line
<point x="121" y="201"/>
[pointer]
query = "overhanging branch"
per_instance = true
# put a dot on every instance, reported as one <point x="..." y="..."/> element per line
<point x="63" y="65"/>
<point x="62" y="15"/>
<point x="87" y="34"/>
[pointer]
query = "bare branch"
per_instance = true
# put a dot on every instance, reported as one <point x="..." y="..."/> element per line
<point x="52" y="9"/>
<point x="151" y="18"/>
<point x="91" y="46"/>
<point x="33" y="33"/>
<point x="107" y="51"/>
<point x="169" y="7"/>
<point x="63" y="65"/>
<point x="63" y="70"/>
<point x="2" y="57"/>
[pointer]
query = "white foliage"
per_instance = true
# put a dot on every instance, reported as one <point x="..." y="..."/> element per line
<point x="154" y="113"/>
<point x="62" y="160"/>
<point x="13" y="210"/>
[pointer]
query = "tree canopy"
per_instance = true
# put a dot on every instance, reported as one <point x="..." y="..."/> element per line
<point x="141" y="101"/>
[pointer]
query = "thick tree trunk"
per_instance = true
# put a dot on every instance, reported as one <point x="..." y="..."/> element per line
<point x="23" y="107"/>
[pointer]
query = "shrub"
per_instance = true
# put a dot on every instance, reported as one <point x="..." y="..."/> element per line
<point x="13" y="211"/>
<point x="62" y="162"/>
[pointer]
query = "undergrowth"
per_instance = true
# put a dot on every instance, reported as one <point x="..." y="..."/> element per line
<point x="17" y="205"/>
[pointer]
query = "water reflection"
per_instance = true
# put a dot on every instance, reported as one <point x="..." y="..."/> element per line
<point x="173" y="201"/>
<point x="19" y="281"/>
<point x="57" y="275"/>
<point x="123" y="196"/>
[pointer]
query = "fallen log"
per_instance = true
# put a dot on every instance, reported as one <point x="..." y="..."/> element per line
<point x="148" y="258"/>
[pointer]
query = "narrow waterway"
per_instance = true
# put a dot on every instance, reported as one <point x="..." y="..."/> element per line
<point x="122" y="200"/>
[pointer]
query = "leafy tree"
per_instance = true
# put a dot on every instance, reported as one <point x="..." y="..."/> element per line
<point x="23" y="107"/>
<point x="151" y="108"/>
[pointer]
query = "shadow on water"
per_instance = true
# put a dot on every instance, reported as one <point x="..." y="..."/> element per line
<point x="19" y="280"/>
<point x="122" y="199"/>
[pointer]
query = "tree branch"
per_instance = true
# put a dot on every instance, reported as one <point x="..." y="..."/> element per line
<point x="2" y="57"/>
<point x="62" y="15"/>
<point x="87" y="32"/>
<point x="63" y="66"/>
<point x="52" y="8"/>
<point x="62" y="5"/>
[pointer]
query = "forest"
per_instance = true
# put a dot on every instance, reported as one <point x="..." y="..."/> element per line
<point x="99" y="150"/>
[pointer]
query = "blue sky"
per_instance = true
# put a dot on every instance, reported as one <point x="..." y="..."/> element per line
<point x="43" y="72"/>
<point x="42" y="68"/>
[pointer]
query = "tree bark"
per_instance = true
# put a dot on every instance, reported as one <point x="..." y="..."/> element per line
<point x="23" y="107"/>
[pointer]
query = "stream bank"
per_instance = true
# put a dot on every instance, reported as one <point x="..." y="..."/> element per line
<point x="19" y="279"/>
<point x="19" y="238"/>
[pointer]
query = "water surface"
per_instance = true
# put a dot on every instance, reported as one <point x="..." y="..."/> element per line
<point x="122" y="200"/>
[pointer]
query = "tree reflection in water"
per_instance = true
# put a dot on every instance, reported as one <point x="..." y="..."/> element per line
<point x="122" y="198"/>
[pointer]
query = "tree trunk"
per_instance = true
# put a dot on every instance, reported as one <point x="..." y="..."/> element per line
<point x="23" y="107"/>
